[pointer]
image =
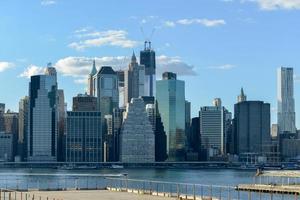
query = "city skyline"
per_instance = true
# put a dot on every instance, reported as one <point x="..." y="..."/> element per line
<point x="260" y="37"/>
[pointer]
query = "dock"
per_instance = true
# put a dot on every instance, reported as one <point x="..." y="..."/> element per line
<point x="275" y="189"/>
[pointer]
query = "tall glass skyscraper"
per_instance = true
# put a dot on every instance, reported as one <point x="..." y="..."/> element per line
<point x="43" y="117"/>
<point x="286" y="103"/>
<point x="170" y="94"/>
<point x="107" y="93"/>
<point x="147" y="58"/>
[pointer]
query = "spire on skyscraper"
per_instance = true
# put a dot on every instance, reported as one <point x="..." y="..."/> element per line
<point x="133" y="58"/>
<point x="94" y="70"/>
<point x="242" y="97"/>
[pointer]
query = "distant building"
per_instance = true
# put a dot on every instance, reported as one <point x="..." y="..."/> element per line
<point x="107" y="90"/>
<point x="109" y="151"/>
<point x="117" y="125"/>
<point x="2" y="107"/>
<point x="187" y="124"/>
<point x="242" y="97"/>
<point x="160" y="138"/>
<point x="61" y="125"/>
<point x="285" y="101"/>
<point x="137" y="140"/>
<point x="83" y="102"/>
<point x="43" y="117"/>
<point x="6" y="147"/>
<point x="84" y="137"/>
<point x="213" y="121"/>
<point x="251" y="126"/>
<point x="134" y="80"/>
<point x="147" y="58"/>
<point x="11" y="124"/>
<point x="23" y="127"/>
<point x="170" y="95"/>
<point x="274" y="130"/>
<point x="194" y="139"/>
<point x="121" y="85"/>
<point x="91" y="84"/>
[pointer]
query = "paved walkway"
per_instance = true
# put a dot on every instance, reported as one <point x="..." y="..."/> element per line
<point x="94" y="195"/>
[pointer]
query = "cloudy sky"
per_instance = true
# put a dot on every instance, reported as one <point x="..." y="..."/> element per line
<point x="216" y="46"/>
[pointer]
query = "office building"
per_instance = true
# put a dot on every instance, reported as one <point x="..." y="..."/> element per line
<point x="285" y="101"/>
<point x="84" y="102"/>
<point x="2" y="107"/>
<point x="117" y="125"/>
<point x="170" y="96"/>
<point x="137" y="140"/>
<point x="43" y="117"/>
<point x="213" y="121"/>
<point x="121" y="82"/>
<point x="134" y="80"/>
<point x="91" y="84"/>
<point x="6" y="147"/>
<point x="84" y="136"/>
<point x="23" y="127"/>
<point x="147" y="58"/>
<point x="251" y="127"/>
<point x="187" y="124"/>
<point x="107" y="90"/>
<point x="242" y="97"/>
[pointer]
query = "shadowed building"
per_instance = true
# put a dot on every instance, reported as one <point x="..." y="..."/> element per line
<point x="170" y="96"/>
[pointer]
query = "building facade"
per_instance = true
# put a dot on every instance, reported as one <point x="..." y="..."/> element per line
<point x="107" y="90"/>
<point x="84" y="102"/>
<point x="170" y="96"/>
<point x="213" y="121"/>
<point x="84" y="136"/>
<point x="137" y="140"/>
<point x="251" y="127"/>
<point x="147" y="58"/>
<point x="43" y="117"/>
<point x="134" y="80"/>
<point x="285" y="101"/>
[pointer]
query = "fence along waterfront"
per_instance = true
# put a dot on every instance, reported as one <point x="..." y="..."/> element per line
<point x="143" y="187"/>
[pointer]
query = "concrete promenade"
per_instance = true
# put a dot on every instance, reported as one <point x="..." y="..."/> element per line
<point x="94" y="195"/>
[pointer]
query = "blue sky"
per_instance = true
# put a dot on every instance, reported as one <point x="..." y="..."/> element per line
<point x="216" y="46"/>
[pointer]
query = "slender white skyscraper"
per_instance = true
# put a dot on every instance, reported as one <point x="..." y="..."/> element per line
<point x="286" y="103"/>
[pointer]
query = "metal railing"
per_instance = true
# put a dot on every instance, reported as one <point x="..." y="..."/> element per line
<point x="18" y="195"/>
<point x="190" y="191"/>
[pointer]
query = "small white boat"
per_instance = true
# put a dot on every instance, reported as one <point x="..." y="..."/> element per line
<point x="117" y="166"/>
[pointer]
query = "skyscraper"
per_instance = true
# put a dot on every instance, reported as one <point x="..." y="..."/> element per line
<point x="171" y="103"/>
<point x="23" y="126"/>
<point x="285" y="101"/>
<point x="134" y="80"/>
<point x="213" y="129"/>
<point x="84" y="102"/>
<point x="137" y="142"/>
<point x="242" y="97"/>
<point x="107" y="92"/>
<point x="43" y="117"/>
<point x="251" y="126"/>
<point x="2" y="107"/>
<point x="147" y="58"/>
<point x="91" y="84"/>
<point x="84" y="136"/>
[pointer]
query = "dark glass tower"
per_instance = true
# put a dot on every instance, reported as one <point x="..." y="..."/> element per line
<point x="147" y="58"/>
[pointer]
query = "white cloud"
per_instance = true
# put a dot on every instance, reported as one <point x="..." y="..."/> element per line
<point x="5" y="66"/>
<point x="174" y="64"/>
<point x="276" y="4"/>
<point x="48" y="2"/>
<point x="100" y="38"/>
<point x="169" y="23"/>
<point x="32" y="70"/>
<point x="223" y="67"/>
<point x="204" y="22"/>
